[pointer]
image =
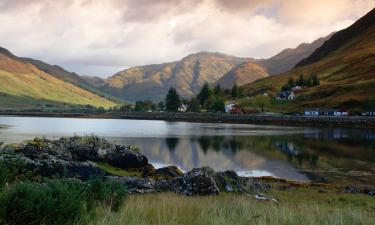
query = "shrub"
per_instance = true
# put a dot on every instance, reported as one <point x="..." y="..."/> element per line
<point x="57" y="201"/>
<point x="109" y="193"/>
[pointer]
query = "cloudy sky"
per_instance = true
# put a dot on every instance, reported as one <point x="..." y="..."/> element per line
<point x="101" y="37"/>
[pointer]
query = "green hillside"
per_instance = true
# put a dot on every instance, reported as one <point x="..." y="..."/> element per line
<point x="346" y="73"/>
<point x="23" y="86"/>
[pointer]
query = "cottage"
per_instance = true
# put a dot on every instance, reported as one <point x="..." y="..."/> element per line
<point x="229" y="107"/>
<point x="325" y="112"/>
<point x="285" y="95"/>
<point x="182" y="108"/>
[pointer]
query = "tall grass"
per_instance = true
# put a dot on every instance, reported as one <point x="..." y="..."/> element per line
<point x="295" y="208"/>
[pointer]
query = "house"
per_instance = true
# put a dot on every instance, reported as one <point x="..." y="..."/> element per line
<point x="296" y="88"/>
<point x="325" y="112"/>
<point x="368" y="113"/>
<point x="285" y="95"/>
<point x="229" y="107"/>
<point x="182" y="108"/>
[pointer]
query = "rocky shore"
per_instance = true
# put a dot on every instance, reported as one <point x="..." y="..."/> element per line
<point x="86" y="158"/>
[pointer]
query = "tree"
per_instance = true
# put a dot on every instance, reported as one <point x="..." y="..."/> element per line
<point x="172" y="100"/>
<point x="161" y="106"/>
<point x="301" y="80"/>
<point x="234" y="91"/>
<point x="261" y="101"/>
<point x="193" y="105"/>
<point x="291" y="82"/>
<point x="139" y="106"/>
<point x="219" y="105"/>
<point x="215" y="104"/>
<point x="315" y="80"/>
<point x="204" y="94"/>
<point x="217" y="90"/>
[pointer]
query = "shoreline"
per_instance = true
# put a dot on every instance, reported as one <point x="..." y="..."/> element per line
<point x="283" y="120"/>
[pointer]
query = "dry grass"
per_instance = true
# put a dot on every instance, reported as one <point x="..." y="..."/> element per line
<point x="295" y="207"/>
<point x="20" y="79"/>
<point x="347" y="77"/>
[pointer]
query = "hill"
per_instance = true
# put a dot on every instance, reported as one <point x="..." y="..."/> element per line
<point x="187" y="75"/>
<point x="345" y="65"/>
<point x="288" y="58"/>
<point x="22" y="85"/>
<point x="242" y="74"/>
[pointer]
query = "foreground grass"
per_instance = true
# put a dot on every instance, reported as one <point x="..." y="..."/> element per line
<point x="295" y="207"/>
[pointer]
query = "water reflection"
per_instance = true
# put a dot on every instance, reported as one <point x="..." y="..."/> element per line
<point x="325" y="155"/>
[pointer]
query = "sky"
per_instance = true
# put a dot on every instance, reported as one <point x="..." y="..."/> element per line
<point x="102" y="37"/>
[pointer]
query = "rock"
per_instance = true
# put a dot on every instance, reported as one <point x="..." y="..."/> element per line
<point x="199" y="181"/>
<point x="229" y="181"/>
<point x="322" y="191"/>
<point x="126" y="158"/>
<point x="70" y="157"/>
<point x="262" y="197"/>
<point x="167" y="173"/>
<point x="351" y="189"/>
<point x="136" y="185"/>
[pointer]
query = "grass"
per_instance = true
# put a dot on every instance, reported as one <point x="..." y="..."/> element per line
<point x="117" y="171"/>
<point x="347" y="78"/>
<point x="32" y="85"/>
<point x="297" y="207"/>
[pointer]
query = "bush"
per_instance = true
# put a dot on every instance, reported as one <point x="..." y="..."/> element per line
<point x="57" y="201"/>
<point x="109" y="193"/>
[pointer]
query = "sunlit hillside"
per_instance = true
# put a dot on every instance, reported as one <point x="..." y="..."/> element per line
<point x="22" y="85"/>
<point x="347" y="73"/>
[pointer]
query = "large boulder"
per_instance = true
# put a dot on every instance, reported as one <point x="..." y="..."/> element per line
<point x="126" y="158"/>
<point x="72" y="156"/>
<point x="98" y="149"/>
<point x="199" y="181"/>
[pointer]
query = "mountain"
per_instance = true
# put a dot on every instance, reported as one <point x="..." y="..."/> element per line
<point x="23" y="85"/>
<point x="246" y="72"/>
<point x="187" y="75"/>
<point x="288" y="58"/>
<point x="340" y="39"/>
<point x="93" y="81"/>
<point x="345" y="65"/>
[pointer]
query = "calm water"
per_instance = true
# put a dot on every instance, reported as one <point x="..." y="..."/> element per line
<point x="304" y="154"/>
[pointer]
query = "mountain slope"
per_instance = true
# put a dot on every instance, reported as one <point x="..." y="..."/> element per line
<point x="23" y="81"/>
<point x="242" y="74"/>
<point x="288" y="58"/>
<point x="187" y="75"/>
<point x="340" y="39"/>
<point x="346" y="71"/>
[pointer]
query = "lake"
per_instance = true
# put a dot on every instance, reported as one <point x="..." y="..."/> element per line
<point x="344" y="156"/>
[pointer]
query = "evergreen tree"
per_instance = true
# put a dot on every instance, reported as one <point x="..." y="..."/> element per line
<point x="204" y="94"/>
<point x="172" y="100"/>
<point x="301" y="80"/>
<point x="161" y="106"/>
<point x="234" y="91"/>
<point x="291" y="82"/>
<point x="315" y="80"/>
<point x="219" y="105"/>
<point x="193" y="105"/>
<point x="217" y="90"/>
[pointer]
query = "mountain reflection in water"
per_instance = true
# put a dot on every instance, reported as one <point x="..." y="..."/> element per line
<point x="306" y="154"/>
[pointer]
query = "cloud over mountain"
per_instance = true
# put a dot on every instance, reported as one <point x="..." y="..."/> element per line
<point x="101" y="37"/>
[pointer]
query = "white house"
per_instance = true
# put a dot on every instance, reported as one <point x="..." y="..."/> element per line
<point x="182" y="108"/>
<point x="229" y="107"/>
<point x="285" y="95"/>
<point x="368" y="113"/>
<point x="325" y="112"/>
